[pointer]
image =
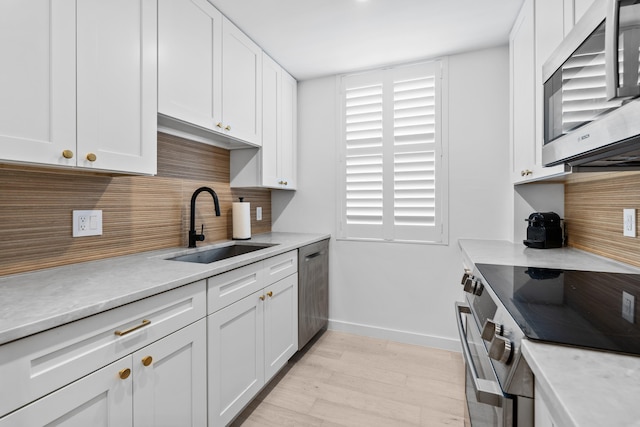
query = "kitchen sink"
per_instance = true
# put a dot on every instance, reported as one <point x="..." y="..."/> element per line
<point x="221" y="252"/>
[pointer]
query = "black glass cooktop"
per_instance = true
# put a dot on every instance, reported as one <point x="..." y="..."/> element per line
<point x="581" y="308"/>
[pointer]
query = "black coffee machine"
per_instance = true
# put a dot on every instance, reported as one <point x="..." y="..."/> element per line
<point x="544" y="230"/>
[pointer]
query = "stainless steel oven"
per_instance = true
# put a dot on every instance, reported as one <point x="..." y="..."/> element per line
<point x="499" y="383"/>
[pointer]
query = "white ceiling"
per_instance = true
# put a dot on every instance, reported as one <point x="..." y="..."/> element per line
<point x="313" y="38"/>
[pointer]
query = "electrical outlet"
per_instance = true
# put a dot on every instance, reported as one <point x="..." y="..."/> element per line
<point x="87" y="223"/>
<point x="628" y="306"/>
<point x="258" y="214"/>
<point x="629" y="222"/>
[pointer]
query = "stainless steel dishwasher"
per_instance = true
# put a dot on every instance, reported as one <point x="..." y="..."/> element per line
<point x="313" y="290"/>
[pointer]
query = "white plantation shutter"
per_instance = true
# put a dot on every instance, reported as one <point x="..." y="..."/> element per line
<point x="392" y="152"/>
<point x="363" y="159"/>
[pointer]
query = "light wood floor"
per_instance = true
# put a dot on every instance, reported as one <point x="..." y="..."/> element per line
<point x="349" y="380"/>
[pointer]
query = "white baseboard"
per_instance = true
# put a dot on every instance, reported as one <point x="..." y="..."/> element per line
<point x="395" y="335"/>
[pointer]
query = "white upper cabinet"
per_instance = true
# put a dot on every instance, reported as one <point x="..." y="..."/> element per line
<point x="209" y="75"/>
<point x="117" y="84"/>
<point x="538" y="30"/>
<point x="79" y="84"/>
<point x="279" y="105"/>
<point x="271" y="127"/>
<point x="522" y="63"/>
<point x="289" y="136"/>
<point x="549" y="32"/>
<point x="241" y="85"/>
<point x="37" y="80"/>
<point x="274" y="165"/>
<point x="189" y="65"/>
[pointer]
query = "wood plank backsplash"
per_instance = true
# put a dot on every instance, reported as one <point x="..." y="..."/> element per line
<point x="140" y="213"/>
<point x="593" y="213"/>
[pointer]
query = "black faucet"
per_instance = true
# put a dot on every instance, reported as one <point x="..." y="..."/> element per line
<point x="193" y="236"/>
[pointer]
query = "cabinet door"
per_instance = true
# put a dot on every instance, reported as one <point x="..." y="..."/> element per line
<point x="37" y="81"/>
<point x="523" y="93"/>
<point x="271" y="121"/>
<point x="549" y="33"/>
<point x="241" y="85"/>
<point x="116" y="84"/>
<point x="542" y="415"/>
<point x="189" y="62"/>
<point x="101" y="399"/>
<point x="170" y="384"/>
<point x="549" y="28"/>
<point x="288" y="140"/>
<point x="236" y="357"/>
<point x="280" y="324"/>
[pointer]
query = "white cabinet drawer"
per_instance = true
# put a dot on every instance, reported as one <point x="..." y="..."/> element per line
<point x="44" y="362"/>
<point x="227" y="288"/>
<point x="280" y="266"/>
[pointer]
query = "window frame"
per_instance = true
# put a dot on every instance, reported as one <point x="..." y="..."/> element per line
<point x="437" y="234"/>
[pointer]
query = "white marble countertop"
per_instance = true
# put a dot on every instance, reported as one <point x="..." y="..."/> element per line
<point x="581" y="388"/>
<point x="35" y="301"/>
<point x="585" y="388"/>
<point x="502" y="252"/>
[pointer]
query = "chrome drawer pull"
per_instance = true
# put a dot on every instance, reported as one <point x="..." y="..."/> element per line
<point x="144" y="323"/>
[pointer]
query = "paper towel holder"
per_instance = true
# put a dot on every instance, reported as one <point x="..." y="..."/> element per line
<point x="241" y="219"/>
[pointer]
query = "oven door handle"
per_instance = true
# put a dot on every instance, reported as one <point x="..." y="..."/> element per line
<point x="488" y="392"/>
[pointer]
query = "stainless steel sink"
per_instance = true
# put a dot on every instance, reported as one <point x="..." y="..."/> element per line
<point x="222" y="252"/>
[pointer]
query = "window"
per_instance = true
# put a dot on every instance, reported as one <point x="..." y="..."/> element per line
<point x="394" y="181"/>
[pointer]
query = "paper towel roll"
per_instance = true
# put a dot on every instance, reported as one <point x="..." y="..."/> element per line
<point x="241" y="220"/>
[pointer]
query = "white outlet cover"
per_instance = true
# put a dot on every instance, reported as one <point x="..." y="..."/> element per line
<point x="87" y="223"/>
<point x="629" y="222"/>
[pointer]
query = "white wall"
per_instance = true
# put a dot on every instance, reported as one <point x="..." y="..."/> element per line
<point x="405" y="292"/>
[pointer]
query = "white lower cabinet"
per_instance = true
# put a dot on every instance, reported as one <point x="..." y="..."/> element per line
<point x="160" y="361"/>
<point x="542" y="415"/>
<point x="249" y="341"/>
<point x="236" y="354"/>
<point x="99" y="399"/>
<point x="162" y="384"/>
<point x="280" y="324"/>
<point x="141" y="364"/>
<point x="169" y="380"/>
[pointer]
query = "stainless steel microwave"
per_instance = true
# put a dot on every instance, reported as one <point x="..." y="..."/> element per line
<point x="591" y="116"/>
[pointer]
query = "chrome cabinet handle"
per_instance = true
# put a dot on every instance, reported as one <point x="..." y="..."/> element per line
<point x="488" y="392"/>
